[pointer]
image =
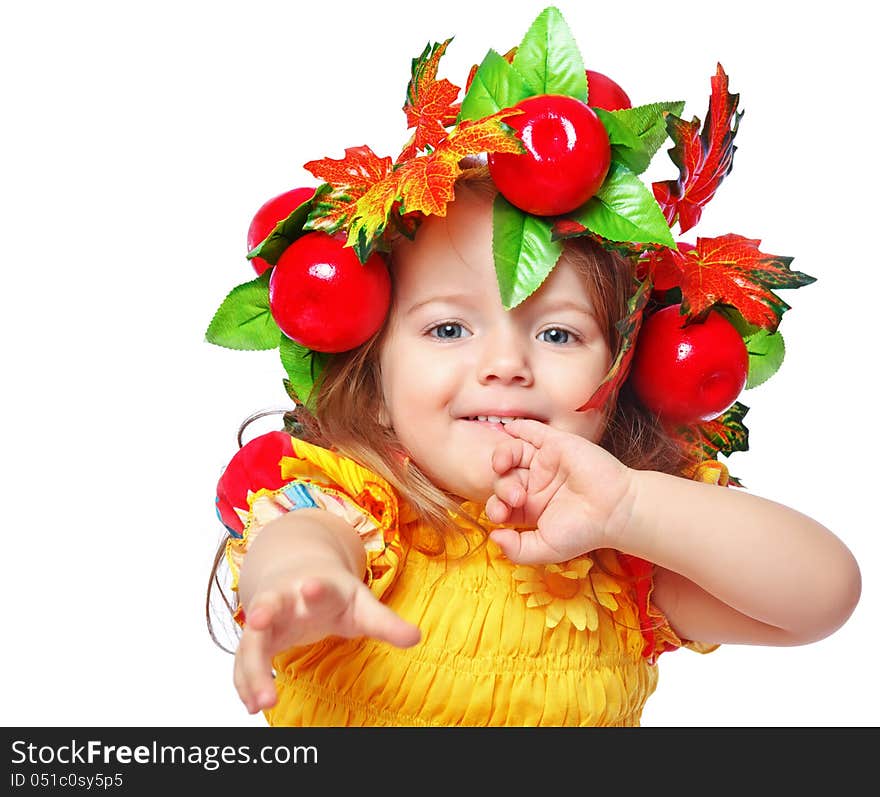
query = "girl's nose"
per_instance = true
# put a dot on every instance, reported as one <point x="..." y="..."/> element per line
<point x="504" y="358"/>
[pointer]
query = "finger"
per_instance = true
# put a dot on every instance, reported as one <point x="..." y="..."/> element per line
<point x="378" y="621"/>
<point x="496" y="510"/>
<point x="504" y="456"/>
<point x="511" y="488"/>
<point x="508" y="541"/>
<point x="314" y="591"/>
<point x="263" y="610"/>
<point x="253" y="659"/>
<point x="526" y="547"/>
<point x="512" y="453"/>
<point x="253" y="677"/>
<point x="534" y="432"/>
<point x="252" y="673"/>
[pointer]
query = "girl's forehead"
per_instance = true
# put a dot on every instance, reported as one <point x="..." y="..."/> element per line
<point x="455" y="249"/>
<point x="453" y="255"/>
<point x="474" y="285"/>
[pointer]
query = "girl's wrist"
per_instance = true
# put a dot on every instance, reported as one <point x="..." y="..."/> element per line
<point x="626" y="526"/>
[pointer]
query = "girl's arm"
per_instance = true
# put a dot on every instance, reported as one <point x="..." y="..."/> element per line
<point x="734" y="567"/>
<point x="301" y="581"/>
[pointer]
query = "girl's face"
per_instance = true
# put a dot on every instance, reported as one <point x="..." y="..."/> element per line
<point x="451" y="351"/>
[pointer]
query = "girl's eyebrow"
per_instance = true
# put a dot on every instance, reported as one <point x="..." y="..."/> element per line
<point x="567" y="304"/>
<point x="449" y="297"/>
<point x="557" y="304"/>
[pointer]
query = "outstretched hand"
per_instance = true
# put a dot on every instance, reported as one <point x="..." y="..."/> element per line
<point x="292" y="611"/>
<point x="572" y="492"/>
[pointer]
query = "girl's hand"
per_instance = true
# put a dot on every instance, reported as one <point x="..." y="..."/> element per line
<point x="290" y="609"/>
<point x="574" y="494"/>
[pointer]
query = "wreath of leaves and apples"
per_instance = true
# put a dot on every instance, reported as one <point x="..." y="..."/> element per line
<point x="371" y="197"/>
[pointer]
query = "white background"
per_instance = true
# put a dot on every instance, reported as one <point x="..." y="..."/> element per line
<point x="137" y="141"/>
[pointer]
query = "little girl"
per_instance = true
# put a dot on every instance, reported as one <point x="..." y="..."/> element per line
<point x="457" y="535"/>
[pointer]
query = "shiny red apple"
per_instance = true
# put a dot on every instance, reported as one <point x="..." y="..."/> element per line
<point x="268" y="215"/>
<point x="603" y="92"/>
<point x="324" y="298"/>
<point x="688" y="374"/>
<point x="566" y="158"/>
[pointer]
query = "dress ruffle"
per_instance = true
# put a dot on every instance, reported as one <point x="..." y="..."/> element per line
<point x="322" y="479"/>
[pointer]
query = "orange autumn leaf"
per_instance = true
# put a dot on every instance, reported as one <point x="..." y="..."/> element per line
<point x="425" y="184"/>
<point x="474" y="136"/>
<point x="729" y="270"/>
<point x="370" y="215"/>
<point x="346" y="180"/>
<point x="430" y="103"/>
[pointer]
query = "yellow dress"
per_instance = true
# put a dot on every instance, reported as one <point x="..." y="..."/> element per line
<point x="502" y="644"/>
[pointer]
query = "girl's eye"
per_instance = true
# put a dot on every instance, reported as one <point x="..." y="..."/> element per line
<point x="558" y="335"/>
<point x="448" y="330"/>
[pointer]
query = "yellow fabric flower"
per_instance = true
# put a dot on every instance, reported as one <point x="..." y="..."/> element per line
<point x="570" y="589"/>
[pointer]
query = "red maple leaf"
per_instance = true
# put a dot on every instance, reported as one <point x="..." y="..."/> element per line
<point x="728" y="270"/>
<point x="703" y="158"/>
<point x="567" y="228"/>
<point x="430" y="103"/>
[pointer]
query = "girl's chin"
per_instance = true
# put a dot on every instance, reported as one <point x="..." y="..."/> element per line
<point x="470" y="492"/>
<point x="474" y="494"/>
<point x="477" y="490"/>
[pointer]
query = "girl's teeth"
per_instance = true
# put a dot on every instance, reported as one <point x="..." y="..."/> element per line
<point x="494" y="418"/>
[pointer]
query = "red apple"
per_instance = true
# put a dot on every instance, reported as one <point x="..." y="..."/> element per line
<point x="566" y="159"/>
<point x="269" y="214"/>
<point x="603" y="92"/>
<point x="324" y="298"/>
<point x="688" y="374"/>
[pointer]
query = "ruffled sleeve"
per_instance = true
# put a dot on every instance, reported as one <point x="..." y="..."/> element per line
<point x="658" y="633"/>
<point x="275" y="473"/>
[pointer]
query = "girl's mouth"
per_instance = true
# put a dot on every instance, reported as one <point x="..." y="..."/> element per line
<point x="494" y="421"/>
<point x="494" y="418"/>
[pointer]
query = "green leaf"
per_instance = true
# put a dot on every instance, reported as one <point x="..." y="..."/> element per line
<point x="363" y="244"/>
<point x="496" y="86"/>
<point x="620" y="134"/>
<point x="548" y="57"/>
<point x="637" y="133"/>
<point x="766" y="353"/>
<point x="766" y="349"/>
<point x="525" y="252"/>
<point x="624" y="209"/>
<point x="244" y="321"/>
<point x="283" y="234"/>
<point x="304" y="369"/>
